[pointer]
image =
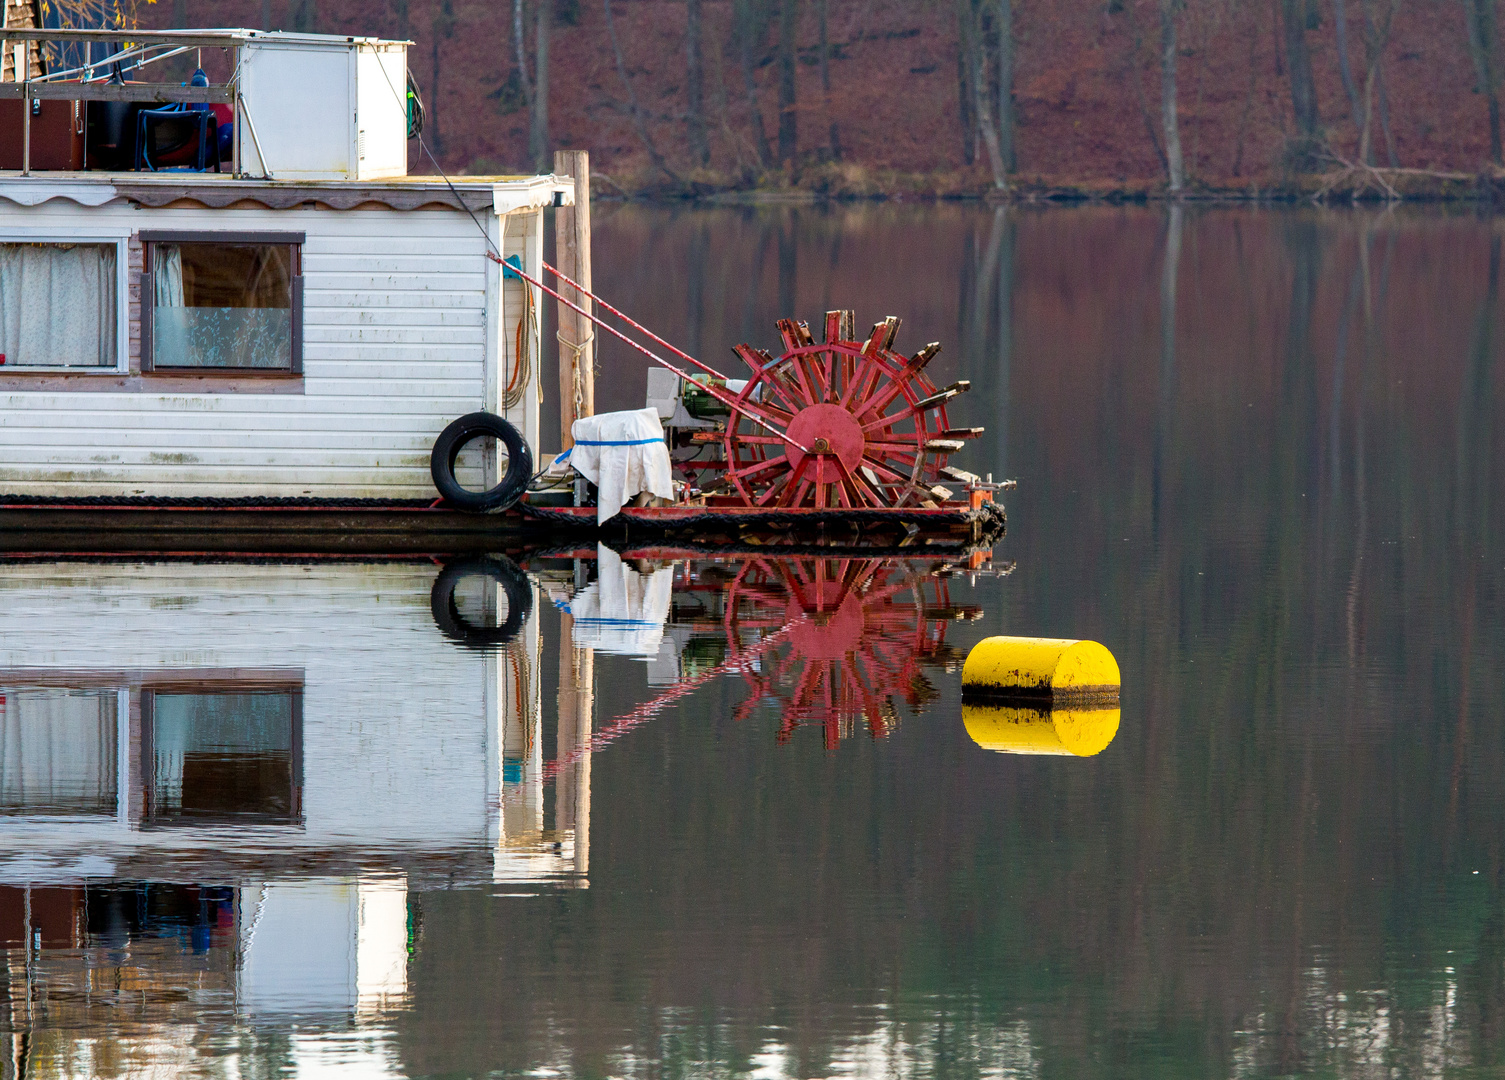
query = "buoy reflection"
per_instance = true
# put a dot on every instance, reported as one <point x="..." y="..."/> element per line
<point x="1040" y="730"/>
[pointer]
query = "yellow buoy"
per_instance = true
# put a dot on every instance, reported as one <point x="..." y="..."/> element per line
<point x="1049" y="668"/>
<point x="1040" y="696"/>
<point x="1081" y="732"/>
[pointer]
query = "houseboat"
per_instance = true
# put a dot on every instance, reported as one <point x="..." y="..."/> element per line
<point x="297" y="319"/>
<point x="227" y="310"/>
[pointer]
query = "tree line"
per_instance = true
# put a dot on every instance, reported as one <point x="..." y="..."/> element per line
<point x="678" y="136"/>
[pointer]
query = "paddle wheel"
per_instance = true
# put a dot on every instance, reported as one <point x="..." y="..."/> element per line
<point x="859" y="631"/>
<point x="840" y="423"/>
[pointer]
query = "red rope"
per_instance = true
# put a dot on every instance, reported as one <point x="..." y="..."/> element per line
<point x="730" y="402"/>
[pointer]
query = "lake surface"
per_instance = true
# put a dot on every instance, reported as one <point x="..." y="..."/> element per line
<point x="723" y="817"/>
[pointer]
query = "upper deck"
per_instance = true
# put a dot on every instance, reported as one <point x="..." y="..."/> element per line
<point x="247" y="104"/>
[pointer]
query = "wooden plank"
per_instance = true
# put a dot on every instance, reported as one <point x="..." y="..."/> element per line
<point x="142" y="92"/>
<point x="415" y="319"/>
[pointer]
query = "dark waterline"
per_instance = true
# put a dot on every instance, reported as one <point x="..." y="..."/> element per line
<point x="1259" y="459"/>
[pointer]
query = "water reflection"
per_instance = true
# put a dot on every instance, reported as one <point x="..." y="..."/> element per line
<point x="1271" y="493"/>
<point x="230" y="812"/>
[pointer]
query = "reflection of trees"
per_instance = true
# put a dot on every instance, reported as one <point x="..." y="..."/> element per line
<point x="1269" y="866"/>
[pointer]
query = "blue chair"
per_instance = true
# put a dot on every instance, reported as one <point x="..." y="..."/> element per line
<point x="170" y="137"/>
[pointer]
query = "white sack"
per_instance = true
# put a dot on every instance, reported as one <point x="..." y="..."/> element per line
<point x="622" y="453"/>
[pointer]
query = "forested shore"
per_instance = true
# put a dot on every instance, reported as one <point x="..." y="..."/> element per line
<point x="1107" y="99"/>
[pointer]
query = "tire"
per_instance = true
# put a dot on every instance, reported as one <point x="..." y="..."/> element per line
<point x="453" y="439"/>
<point x="503" y="571"/>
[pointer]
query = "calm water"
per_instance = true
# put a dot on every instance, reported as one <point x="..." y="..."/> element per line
<point x="723" y="817"/>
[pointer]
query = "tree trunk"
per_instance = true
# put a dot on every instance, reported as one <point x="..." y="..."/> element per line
<point x="788" y="49"/>
<point x="266" y="16"/>
<point x="520" y="45"/>
<point x="964" y="81"/>
<point x="980" y="103"/>
<point x="1299" y="64"/>
<point x="1376" y="39"/>
<point x="538" y="138"/>
<point x="1483" y="46"/>
<point x="1006" y="147"/>
<point x="1168" y="118"/>
<point x="632" y="100"/>
<point x="1345" y="70"/>
<point x="440" y="29"/>
<point x="825" y="78"/>
<point x="399" y="9"/>
<point x="747" y="35"/>
<point x="700" y="148"/>
<point x="1384" y="103"/>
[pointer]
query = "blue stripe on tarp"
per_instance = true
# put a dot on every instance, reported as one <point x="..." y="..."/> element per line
<point x="634" y="442"/>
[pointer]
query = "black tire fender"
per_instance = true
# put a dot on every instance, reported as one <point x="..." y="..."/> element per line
<point x="454" y="438"/>
<point x="497" y="568"/>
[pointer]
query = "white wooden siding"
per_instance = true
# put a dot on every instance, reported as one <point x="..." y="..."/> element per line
<point x="398" y="341"/>
<point x="398" y="745"/>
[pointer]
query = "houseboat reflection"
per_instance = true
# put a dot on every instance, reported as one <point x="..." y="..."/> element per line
<point x="222" y="787"/>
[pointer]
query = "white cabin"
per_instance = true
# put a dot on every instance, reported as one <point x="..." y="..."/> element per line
<point x="302" y="324"/>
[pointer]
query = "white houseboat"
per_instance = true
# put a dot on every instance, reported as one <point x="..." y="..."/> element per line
<point x="284" y="313"/>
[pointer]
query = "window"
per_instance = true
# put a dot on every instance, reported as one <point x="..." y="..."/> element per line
<point x="58" y="305"/>
<point x="222" y="302"/>
<point x="57" y="751"/>
<point x="216" y="757"/>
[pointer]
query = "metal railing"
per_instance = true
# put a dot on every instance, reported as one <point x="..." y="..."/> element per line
<point x="90" y="81"/>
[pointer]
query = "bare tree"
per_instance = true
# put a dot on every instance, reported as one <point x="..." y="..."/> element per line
<point x="825" y="78"/>
<point x="788" y="72"/>
<point x="1345" y="69"/>
<point x="966" y="56"/>
<point x="1294" y="16"/>
<point x="970" y="14"/>
<point x="442" y="28"/>
<point x="538" y="130"/>
<point x="1484" y="47"/>
<point x="1006" y="122"/>
<point x="1377" y="25"/>
<point x="748" y="30"/>
<point x="1169" y="120"/>
<point x="700" y="147"/>
<point x="638" y="120"/>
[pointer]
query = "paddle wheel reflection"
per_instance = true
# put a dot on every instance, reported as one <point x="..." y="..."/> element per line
<point x="829" y="642"/>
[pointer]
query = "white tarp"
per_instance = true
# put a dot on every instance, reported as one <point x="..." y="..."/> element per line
<point x="622" y="611"/>
<point x="623" y="454"/>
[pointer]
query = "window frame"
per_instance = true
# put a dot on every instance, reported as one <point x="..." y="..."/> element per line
<point x="146" y="764"/>
<point x="121" y="238"/>
<point x="151" y="237"/>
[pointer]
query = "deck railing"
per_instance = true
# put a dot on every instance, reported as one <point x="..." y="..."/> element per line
<point x="89" y="81"/>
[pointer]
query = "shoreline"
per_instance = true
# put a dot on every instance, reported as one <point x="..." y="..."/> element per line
<point x="1350" y="185"/>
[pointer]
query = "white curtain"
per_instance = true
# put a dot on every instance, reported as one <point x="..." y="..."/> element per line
<point x="167" y="275"/>
<point x="57" y="751"/>
<point x="169" y="319"/>
<point x="57" y="305"/>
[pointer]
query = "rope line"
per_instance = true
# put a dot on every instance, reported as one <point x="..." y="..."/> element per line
<point x="730" y="402"/>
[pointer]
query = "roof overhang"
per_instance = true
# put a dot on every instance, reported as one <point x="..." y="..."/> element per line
<point x="502" y="195"/>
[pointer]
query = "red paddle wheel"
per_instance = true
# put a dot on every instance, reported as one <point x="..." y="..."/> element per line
<point x="861" y="628"/>
<point x="862" y="426"/>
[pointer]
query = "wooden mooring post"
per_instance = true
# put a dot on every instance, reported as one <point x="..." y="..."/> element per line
<point x="572" y="254"/>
